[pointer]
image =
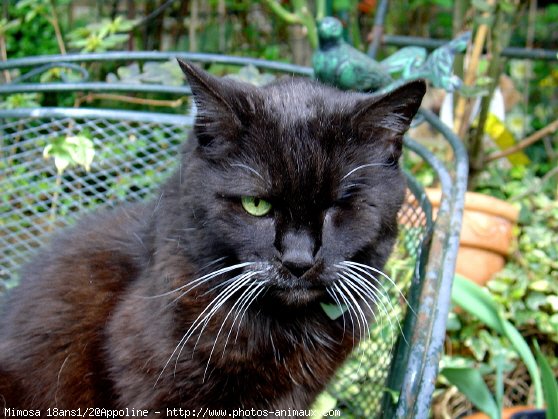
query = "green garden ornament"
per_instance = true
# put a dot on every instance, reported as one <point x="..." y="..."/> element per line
<point x="339" y="64"/>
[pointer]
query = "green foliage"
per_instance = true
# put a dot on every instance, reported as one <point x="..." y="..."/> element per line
<point x="522" y="298"/>
<point x="469" y="380"/>
<point x="20" y="100"/>
<point x="8" y="26"/>
<point x="471" y="383"/>
<point x="71" y="150"/>
<point x="550" y="385"/>
<point x="28" y="38"/>
<point x="151" y="72"/>
<point x="101" y="36"/>
<point x="480" y="304"/>
<point x="527" y="287"/>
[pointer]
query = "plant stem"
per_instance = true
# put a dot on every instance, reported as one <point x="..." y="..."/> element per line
<point x="283" y="13"/>
<point x="459" y="9"/>
<point x="301" y="15"/>
<point x="194" y="7"/>
<point x="463" y="109"/>
<point x="56" y="25"/>
<point x="501" y="34"/>
<point x="54" y="202"/>
<point x="4" y="57"/>
<point x="222" y="18"/>
<point x="320" y="9"/>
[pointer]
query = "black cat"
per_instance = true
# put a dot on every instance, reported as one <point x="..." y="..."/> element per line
<point x="211" y="295"/>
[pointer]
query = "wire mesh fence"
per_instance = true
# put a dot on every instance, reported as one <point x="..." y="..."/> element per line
<point x="131" y="158"/>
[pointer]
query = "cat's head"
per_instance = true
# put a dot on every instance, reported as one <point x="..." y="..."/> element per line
<point x="297" y="183"/>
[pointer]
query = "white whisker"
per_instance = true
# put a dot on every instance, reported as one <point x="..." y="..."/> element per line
<point x="361" y="326"/>
<point x="363" y="167"/>
<point x="359" y="267"/>
<point x="197" y="282"/>
<point x="340" y="293"/>
<point x="359" y="315"/>
<point x="391" y="281"/>
<point x="236" y="303"/>
<point x="243" y="309"/>
<point x="212" y="307"/>
<point x="254" y="171"/>
<point x="369" y="289"/>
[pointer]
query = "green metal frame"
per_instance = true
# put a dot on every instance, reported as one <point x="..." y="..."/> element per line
<point x="414" y="365"/>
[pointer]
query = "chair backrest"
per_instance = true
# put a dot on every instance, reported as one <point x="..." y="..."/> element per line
<point x="390" y="375"/>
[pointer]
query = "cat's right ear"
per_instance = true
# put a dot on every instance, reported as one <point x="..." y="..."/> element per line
<point x="384" y="119"/>
<point x="221" y="105"/>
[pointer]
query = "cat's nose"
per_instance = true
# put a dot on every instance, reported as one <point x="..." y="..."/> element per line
<point x="298" y="262"/>
<point x="298" y="252"/>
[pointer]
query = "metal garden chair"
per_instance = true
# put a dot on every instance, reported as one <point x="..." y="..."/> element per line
<point x="134" y="151"/>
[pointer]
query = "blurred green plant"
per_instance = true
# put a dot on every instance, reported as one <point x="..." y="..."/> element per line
<point x="480" y="304"/>
<point x="71" y="150"/>
<point x="20" y="100"/>
<point x="46" y="9"/>
<point x="101" y="36"/>
<point x="68" y="150"/>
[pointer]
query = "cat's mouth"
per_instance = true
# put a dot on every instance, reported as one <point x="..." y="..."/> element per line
<point x="297" y="292"/>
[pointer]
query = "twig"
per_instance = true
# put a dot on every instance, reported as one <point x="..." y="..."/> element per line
<point x="129" y="99"/>
<point x="533" y="138"/>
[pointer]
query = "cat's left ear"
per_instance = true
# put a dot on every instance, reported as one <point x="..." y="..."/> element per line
<point x="384" y="119"/>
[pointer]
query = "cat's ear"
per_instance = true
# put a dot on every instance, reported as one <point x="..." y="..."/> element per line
<point x="384" y="119"/>
<point x="222" y="105"/>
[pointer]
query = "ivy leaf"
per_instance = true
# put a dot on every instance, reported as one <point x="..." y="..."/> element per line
<point x="81" y="150"/>
<point x="70" y="150"/>
<point x="59" y="152"/>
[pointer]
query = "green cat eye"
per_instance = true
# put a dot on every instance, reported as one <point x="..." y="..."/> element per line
<point x="255" y="206"/>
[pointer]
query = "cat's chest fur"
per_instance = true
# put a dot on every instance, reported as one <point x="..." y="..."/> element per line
<point x="211" y="295"/>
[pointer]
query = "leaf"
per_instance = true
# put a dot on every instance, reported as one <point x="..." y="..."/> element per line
<point x="81" y="150"/>
<point x="59" y="152"/>
<point x="550" y="386"/>
<point x="480" y="304"/>
<point x="70" y="150"/>
<point x="394" y="395"/>
<point x="334" y="311"/>
<point x="475" y="300"/>
<point x="469" y="381"/>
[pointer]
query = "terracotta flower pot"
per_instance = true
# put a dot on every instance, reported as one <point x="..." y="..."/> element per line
<point x="507" y="412"/>
<point x="486" y="234"/>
